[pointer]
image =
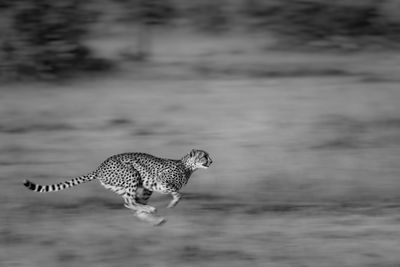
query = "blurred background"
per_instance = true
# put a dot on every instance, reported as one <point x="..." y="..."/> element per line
<point x="297" y="102"/>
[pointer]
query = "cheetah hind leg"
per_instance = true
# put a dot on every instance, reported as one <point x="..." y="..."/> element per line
<point x="152" y="218"/>
<point x="145" y="213"/>
<point x="131" y="204"/>
<point x="143" y="195"/>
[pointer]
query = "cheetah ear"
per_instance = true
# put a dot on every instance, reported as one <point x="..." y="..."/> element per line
<point x="192" y="153"/>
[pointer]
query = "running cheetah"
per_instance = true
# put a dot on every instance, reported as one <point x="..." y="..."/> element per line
<point x="135" y="176"/>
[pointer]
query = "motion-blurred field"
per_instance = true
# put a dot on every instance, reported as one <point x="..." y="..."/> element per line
<point x="305" y="147"/>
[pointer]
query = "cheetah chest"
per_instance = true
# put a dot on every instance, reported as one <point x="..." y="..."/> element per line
<point x="164" y="180"/>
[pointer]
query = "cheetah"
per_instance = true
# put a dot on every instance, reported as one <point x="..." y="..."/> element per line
<point x="135" y="176"/>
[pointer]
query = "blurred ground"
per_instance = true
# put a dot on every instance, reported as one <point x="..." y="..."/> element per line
<point x="305" y="147"/>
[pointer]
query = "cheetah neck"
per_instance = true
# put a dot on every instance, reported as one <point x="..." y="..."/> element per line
<point x="189" y="165"/>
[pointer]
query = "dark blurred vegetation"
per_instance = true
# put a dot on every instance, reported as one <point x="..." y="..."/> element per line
<point x="45" y="38"/>
<point x="210" y="16"/>
<point x="151" y="12"/>
<point x="146" y="14"/>
<point x="333" y="22"/>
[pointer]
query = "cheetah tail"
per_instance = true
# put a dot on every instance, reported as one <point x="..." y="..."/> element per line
<point x="60" y="186"/>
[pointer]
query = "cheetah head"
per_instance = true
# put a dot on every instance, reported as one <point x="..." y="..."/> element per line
<point x="198" y="159"/>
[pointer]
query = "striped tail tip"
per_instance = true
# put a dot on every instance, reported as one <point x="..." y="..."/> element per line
<point x="28" y="184"/>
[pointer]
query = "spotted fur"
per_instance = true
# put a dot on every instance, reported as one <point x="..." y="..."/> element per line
<point x="135" y="176"/>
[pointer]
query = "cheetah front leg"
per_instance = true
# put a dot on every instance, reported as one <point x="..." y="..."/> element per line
<point x="176" y="196"/>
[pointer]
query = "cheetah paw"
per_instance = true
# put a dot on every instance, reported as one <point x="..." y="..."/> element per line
<point x="160" y="222"/>
<point x="151" y="218"/>
<point x="148" y="209"/>
<point x="141" y="208"/>
<point x="171" y="205"/>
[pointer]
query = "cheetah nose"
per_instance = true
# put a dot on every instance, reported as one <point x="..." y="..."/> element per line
<point x="210" y="161"/>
